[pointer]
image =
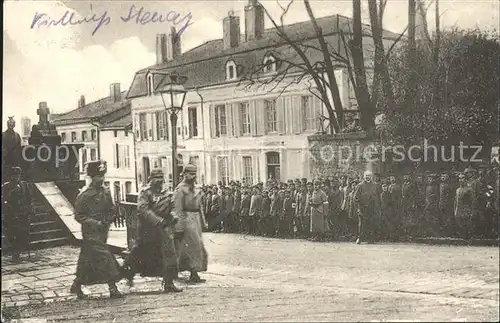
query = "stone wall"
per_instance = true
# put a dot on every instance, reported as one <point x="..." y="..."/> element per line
<point x="350" y="153"/>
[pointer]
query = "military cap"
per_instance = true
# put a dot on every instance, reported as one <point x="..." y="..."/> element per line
<point x="96" y="168"/>
<point x="156" y="173"/>
<point x="16" y="170"/>
<point x="469" y="170"/>
<point x="189" y="168"/>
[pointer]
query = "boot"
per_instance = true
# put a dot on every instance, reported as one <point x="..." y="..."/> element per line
<point x="126" y="272"/>
<point x="169" y="287"/>
<point x="76" y="288"/>
<point x="113" y="291"/>
<point x="195" y="278"/>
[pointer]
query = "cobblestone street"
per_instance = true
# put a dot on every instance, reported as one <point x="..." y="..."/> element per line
<point x="261" y="279"/>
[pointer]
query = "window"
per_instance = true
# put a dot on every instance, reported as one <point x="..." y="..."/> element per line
<point x="93" y="154"/>
<point x="128" y="187"/>
<point x="73" y="136"/>
<point x="193" y="122"/>
<point x="126" y="133"/>
<point x="245" y="118"/>
<point x="84" y="157"/>
<point x="84" y="136"/>
<point x="231" y="71"/>
<point x="121" y="155"/>
<point x="143" y="126"/>
<point x="63" y="137"/>
<point x="223" y="170"/>
<point x="220" y="120"/>
<point x="150" y="84"/>
<point x="161" y="125"/>
<point x="93" y="134"/>
<point x="269" y="64"/>
<point x="272" y="120"/>
<point x="308" y="115"/>
<point x="247" y="170"/>
<point x="115" y="133"/>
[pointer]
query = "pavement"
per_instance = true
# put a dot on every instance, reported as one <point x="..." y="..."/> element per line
<point x="264" y="279"/>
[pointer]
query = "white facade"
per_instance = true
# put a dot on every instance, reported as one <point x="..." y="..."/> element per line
<point x="117" y="149"/>
<point x="83" y="133"/>
<point x="252" y="143"/>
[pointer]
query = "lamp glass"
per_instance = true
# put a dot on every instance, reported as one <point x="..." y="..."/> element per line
<point x="173" y="96"/>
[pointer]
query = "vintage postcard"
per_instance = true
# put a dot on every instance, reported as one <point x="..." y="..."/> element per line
<point x="250" y="161"/>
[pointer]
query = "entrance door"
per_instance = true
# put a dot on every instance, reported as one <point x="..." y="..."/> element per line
<point x="273" y="165"/>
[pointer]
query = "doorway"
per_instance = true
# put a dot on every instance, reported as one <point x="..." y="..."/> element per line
<point x="273" y="165"/>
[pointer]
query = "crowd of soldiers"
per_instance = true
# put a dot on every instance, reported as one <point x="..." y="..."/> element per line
<point x="460" y="204"/>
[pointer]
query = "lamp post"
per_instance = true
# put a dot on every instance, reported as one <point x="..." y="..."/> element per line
<point x="173" y="95"/>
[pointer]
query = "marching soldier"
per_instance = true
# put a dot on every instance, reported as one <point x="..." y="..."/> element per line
<point x="95" y="211"/>
<point x="154" y="255"/>
<point x="191" y="252"/>
<point x="16" y="202"/>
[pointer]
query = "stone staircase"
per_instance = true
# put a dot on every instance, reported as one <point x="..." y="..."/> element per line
<point x="47" y="230"/>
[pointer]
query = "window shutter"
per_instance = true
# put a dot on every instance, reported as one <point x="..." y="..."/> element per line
<point x="212" y="120"/>
<point x="317" y="105"/>
<point x="237" y="119"/>
<point x="259" y="118"/>
<point x="254" y="117"/>
<point x="153" y="126"/>
<point x="298" y="115"/>
<point x="280" y="115"/>
<point x="136" y="127"/>
<point x="230" y="121"/>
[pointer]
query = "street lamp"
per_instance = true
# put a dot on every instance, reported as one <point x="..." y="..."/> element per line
<point x="173" y="95"/>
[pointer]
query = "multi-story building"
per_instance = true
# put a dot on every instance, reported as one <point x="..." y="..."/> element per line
<point x="94" y="125"/>
<point x="230" y="129"/>
<point x="117" y="148"/>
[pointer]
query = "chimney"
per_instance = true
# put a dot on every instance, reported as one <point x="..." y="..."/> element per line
<point x="115" y="93"/>
<point x="161" y="48"/>
<point x="173" y="45"/>
<point x="81" y="102"/>
<point x="254" y="20"/>
<point x="231" y="30"/>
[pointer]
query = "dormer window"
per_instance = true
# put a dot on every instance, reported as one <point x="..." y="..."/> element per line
<point x="269" y="64"/>
<point x="150" y="83"/>
<point x="231" y="73"/>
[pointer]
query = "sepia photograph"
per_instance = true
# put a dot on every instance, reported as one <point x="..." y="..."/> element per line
<point x="250" y="161"/>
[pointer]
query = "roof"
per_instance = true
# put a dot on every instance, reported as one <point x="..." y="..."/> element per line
<point x="203" y="68"/>
<point x="96" y="109"/>
<point x="119" y="119"/>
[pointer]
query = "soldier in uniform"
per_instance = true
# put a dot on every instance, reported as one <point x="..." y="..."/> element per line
<point x="432" y="225"/>
<point x="16" y="202"/>
<point x="419" y="209"/>
<point x="394" y="212"/>
<point x="408" y="193"/>
<point x="154" y="255"/>
<point x="191" y="252"/>
<point x="11" y="148"/>
<point x="463" y="208"/>
<point x="367" y="205"/>
<point x="446" y="202"/>
<point x="318" y="204"/>
<point x="266" y="212"/>
<point x="95" y="210"/>
<point x="255" y="211"/>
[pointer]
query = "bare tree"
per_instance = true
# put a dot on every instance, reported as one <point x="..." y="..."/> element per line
<point x="304" y="65"/>
<point x="411" y="83"/>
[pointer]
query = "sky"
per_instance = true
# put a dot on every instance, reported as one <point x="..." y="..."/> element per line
<point x="61" y="63"/>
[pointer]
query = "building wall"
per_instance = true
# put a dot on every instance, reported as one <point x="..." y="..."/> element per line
<point x="289" y="139"/>
<point x="120" y="163"/>
<point x="90" y="148"/>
